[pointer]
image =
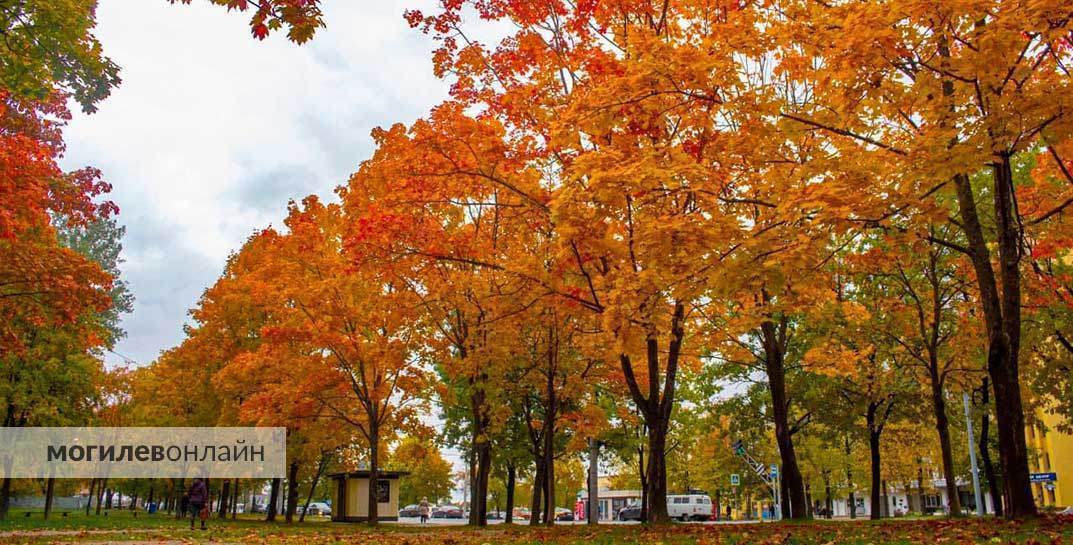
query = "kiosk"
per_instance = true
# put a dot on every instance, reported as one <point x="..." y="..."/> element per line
<point x="352" y="496"/>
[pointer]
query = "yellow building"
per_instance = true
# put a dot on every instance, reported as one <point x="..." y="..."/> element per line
<point x="1050" y="452"/>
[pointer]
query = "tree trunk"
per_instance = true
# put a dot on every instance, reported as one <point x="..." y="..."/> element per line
<point x="875" y="507"/>
<point x="225" y="496"/>
<point x="291" y="506"/>
<point x="512" y="476"/>
<point x="942" y="427"/>
<point x="828" y="502"/>
<point x="5" y="498"/>
<point x="920" y="485"/>
<point x="657" y="471"/>
<point x="321" y="464"/>
<point x="549" y="492"/>
<point x="482" y="451"/>
<point x="100" y="495"/>
<point x="234" y="503"/>
<point x="273" y="500"/>
<point x="90" y="496"/>
<point x="374" y="473"/>
<point x="479" y="504"/>
<point x="549" y="472"/>
<point x="993" y="485"/>
<point x="849" y="483"/>
<point x="50" y="485"/>
<point x="176" y="498"/>
<point x="886" y="500"/>
<point x="773" y="336"/>
<point x="535" y="505"/>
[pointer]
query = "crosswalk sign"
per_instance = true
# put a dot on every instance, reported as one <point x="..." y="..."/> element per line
<point x="735" y="479"/>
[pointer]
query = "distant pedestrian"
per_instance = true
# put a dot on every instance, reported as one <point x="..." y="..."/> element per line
<point x="424" y="509"/>
<point x="184" y="505"/>
<point x="199" y="499"/>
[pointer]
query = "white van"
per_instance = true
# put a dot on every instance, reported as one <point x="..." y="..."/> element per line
<point x="685" y="507"/>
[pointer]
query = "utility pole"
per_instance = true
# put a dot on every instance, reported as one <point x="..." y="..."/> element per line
<point x="972" y="459"/>
<point x="592" y="508"/>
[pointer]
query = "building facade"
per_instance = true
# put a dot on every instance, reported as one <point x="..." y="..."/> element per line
<point x="1050" y="462"/>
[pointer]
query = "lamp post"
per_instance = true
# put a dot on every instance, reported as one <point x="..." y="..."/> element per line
<point x="972" y="458"/>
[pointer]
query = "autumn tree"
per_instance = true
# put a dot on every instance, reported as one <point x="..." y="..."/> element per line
<point x="928" y="92"/>
<point x="352" y="330"/>
<point x="430" y="474"/>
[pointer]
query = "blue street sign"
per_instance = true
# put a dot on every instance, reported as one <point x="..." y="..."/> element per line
<point x="735" y="479"/>
<point x="774" y="471"/>
<point x="1043" y="477"/>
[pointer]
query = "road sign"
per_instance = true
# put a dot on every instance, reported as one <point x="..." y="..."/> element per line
<point x="774" y="471"/>
<point x="1043" y="477"/>
<point x="735" y="479"/>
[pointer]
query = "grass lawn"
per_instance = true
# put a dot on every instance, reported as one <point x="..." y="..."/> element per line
<point x="122" y="528"/>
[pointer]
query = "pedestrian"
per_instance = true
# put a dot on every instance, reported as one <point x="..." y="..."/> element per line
<point x="423" y="509"/>
<point x="199" y="499"/>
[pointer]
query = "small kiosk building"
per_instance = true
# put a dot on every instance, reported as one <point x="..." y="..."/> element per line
<point x="352" y="496"/>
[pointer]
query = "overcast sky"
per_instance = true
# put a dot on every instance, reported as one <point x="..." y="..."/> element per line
<point x="211" y="132"/>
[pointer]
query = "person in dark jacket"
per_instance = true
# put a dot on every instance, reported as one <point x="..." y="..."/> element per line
<point x="198" y="497"/>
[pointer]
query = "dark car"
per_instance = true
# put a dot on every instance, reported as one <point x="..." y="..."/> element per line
<point x="411" y="511"/>
<point x="447" y="512"/>
<point x="630" y="512"/>
<point x="495" y="515"/>
<point x="564" y="516"/>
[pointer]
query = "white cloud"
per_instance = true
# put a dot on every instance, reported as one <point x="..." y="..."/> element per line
<point x="212" y="132"/>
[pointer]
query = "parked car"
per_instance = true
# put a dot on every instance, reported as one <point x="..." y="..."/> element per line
<point x="685" y="507"/>
<point x="495" y="515"/>
<point x="563" y="515"/>
<point x="447" y="512"/>
<point x="630" y="512"/>
<point x="258" y="508"/>
<point x="318" y="508"/>
<point x="411" y="511"/>
<point x="521" y="513"/>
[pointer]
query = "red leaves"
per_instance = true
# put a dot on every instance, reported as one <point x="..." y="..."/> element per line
<point x="301" y="18"/>
<point x="260" y="31"/>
